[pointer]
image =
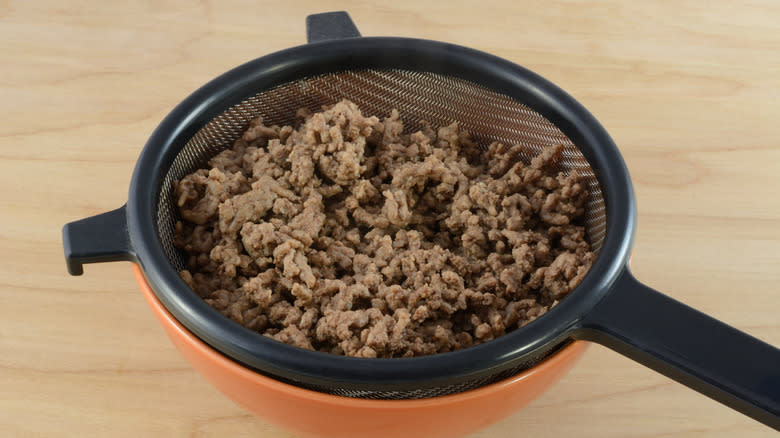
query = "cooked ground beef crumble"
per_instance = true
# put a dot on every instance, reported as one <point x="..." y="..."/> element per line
<point x="345" y="235"/>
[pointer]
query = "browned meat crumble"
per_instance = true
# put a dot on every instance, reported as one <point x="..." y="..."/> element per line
<point x="345" y="235"/>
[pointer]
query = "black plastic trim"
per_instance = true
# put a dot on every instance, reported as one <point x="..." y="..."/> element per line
<point x="97" y="239"/>
<point x="330" y="26"/>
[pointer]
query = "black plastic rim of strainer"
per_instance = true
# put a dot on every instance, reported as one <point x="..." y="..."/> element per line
<point x="609" y="306"/>
<point x="313" y="59"/>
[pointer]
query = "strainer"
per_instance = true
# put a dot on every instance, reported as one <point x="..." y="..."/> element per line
<point x="494" y="100"/>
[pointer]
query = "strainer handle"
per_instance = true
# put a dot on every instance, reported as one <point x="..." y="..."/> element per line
<point x="330" y="26"/>
<point x="688" y="346"/>
<point x="96" y="239"/>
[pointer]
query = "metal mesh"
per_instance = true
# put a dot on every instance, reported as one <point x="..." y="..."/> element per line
<point x="419" y="96"/>
<point x="436" y="391"/>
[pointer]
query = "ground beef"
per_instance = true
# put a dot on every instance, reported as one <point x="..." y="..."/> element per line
<point x="345" y="235"/>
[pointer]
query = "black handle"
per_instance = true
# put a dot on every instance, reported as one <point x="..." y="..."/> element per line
<point x="96" y="239"/>
<point x="688" y="346"/>
<point x="330" y="26"/>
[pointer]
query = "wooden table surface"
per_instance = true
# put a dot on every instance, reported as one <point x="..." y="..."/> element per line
<point x="690" y="91"/>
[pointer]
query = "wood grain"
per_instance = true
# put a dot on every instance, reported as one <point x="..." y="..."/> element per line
<point x="689" y="90"/>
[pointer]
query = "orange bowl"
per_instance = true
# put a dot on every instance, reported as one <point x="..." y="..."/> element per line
<point x="315" y="414"/>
